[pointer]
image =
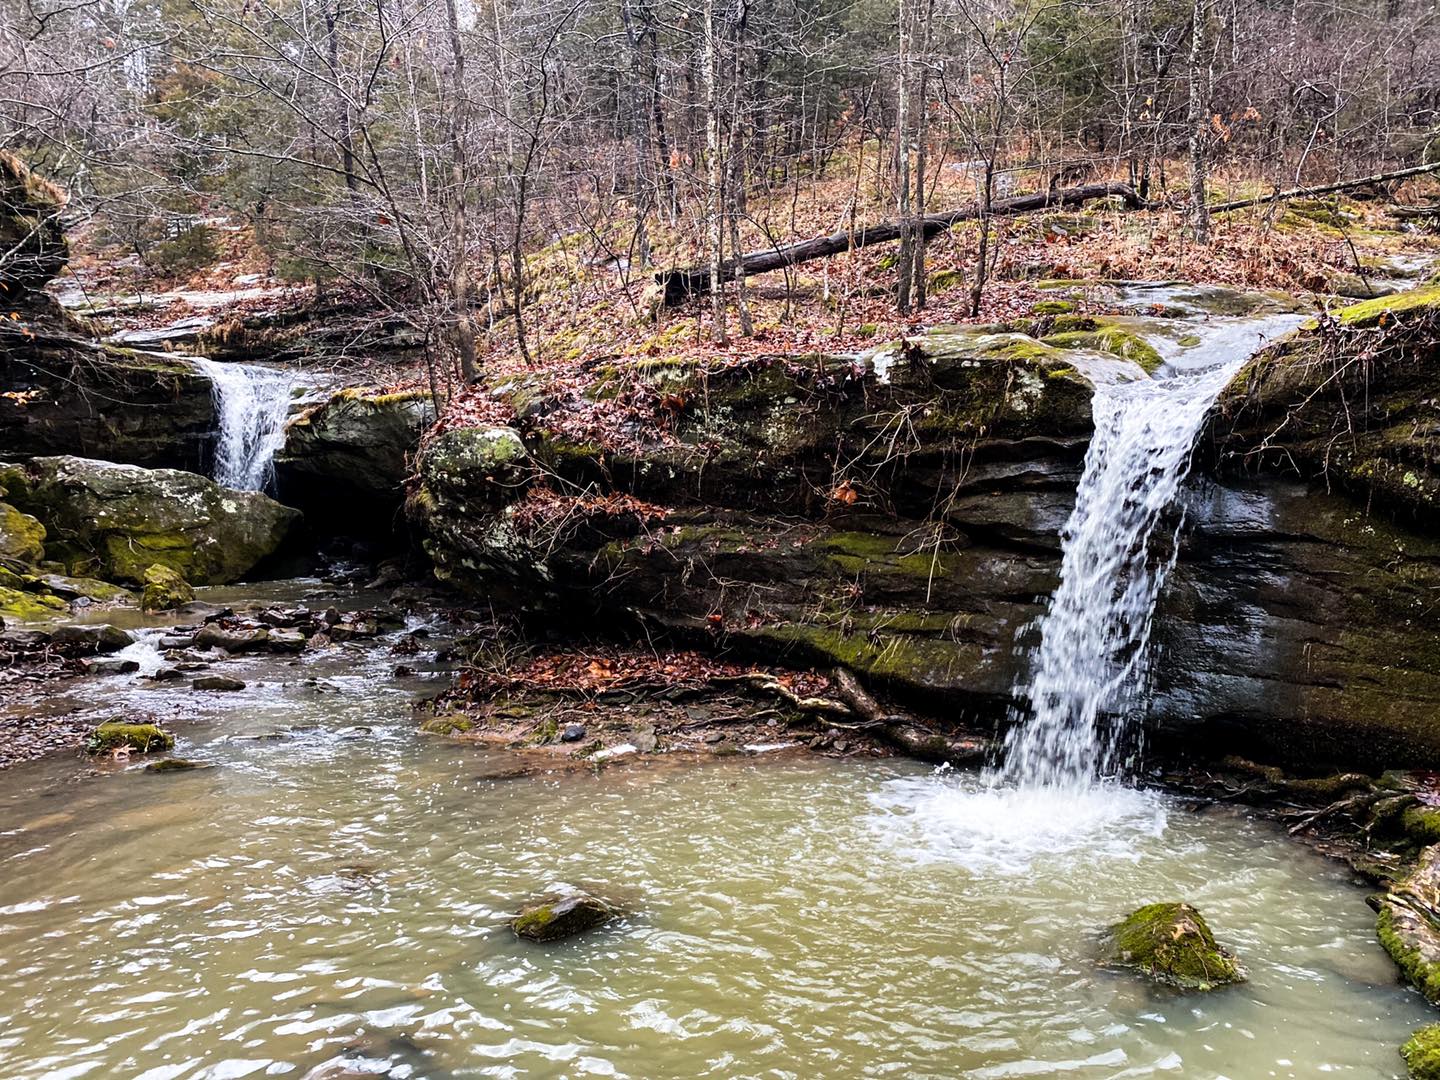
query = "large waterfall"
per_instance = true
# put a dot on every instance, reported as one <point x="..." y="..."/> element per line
<point x="251" y="404"/>
<point x="1088" y="671"/>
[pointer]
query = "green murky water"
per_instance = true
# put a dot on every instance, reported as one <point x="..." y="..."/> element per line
<point x="333" y="903"/>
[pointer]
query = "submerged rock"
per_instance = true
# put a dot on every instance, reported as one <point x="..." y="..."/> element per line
<point x="117" y="521"/>
<point x="174" y="764"/>
<point x="118" y="735"/>
<point x="1170" y="943"/>
<point x="1422" y="1053"/>
<point x="561" y="915"/>
<point x="165" y="589"/>
<point x="217" y="682"/>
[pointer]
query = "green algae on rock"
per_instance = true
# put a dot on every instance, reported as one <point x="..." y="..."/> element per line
<point x="1422" y="1053"/>
<point x="117" y="521"/>
<point x="22" y="537"/>
<point x="165" y="589"/>
<point x="561" y="915"/>
<point x="1171" y="944"/>
<point x="118" y="735"/>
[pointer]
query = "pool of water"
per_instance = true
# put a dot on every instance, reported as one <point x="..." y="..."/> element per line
<point x="330" y="901"/>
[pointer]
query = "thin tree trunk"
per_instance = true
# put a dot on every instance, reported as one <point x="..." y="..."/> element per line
<point x="714" y="174"/>
<point x="460" y="287"/>
<point x="905" y="263"/>
<point x="1199" y="94"/>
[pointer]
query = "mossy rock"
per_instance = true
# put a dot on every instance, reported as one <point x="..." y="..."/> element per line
<point x="165" y="589"/>
<point x="1403" y="305"/>
<point x="117" y="735"/>
<point x="25" y="606"/>
<point x="1422" y="1053"/>
<point x="1422" y="824"/>
<point x="448" y="724"/>
<point x="175" y="764"/>
<point x="1114" y="340"/>
<point x="944" y="281"/>
<point x="1171" y="944"/>
<point x="1052" y="307"/>
<point x="558" y="916"/>
<point x="22" y="537"/>
<point x="116" y="521"/>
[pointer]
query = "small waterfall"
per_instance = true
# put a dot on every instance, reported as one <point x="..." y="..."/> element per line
<point x="251" y="405"/>
<point x="1090" y="662"/>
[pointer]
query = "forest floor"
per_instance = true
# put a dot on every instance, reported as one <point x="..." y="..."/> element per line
<point x="586" y="299"/>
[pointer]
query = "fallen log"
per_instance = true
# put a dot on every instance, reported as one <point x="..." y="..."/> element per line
<point x="1324" y="189"/>
<point x="679" y="284"/>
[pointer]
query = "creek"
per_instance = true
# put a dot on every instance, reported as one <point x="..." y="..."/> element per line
<point x="330" y="896"/>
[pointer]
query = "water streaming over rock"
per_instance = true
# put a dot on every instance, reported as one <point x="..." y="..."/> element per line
<point x="251" y="404"/>
<point x="1088" y="670"/>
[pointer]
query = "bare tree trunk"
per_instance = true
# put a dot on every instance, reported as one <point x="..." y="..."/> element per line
<point x="905" y="263"/>
<point x="1199" y="94"/>
<point x="735" y="195"/>
<point x="460" y="287"/>
<point x="922" y="134"/>
<point x="714" y="173"/>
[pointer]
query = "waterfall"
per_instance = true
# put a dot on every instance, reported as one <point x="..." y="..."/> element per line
<point x="251" y="405"/>
<point x="1089" y="666"/>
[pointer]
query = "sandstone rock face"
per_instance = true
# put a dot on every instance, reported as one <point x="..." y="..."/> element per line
<point x="901" y="517"/>
<point x="356" y="443"/>
<point x="117" y="521"/>
<point x="75" y="397"/>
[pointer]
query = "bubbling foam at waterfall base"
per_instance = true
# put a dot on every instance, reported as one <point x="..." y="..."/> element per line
<point x="1088" y="673"/>
<point x="251" y="404"/>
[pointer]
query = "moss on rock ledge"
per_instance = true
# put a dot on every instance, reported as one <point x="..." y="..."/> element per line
<point x="115" y="735"/>
<point x="1422" y="1053"/>
<point x="1171" y="944"/>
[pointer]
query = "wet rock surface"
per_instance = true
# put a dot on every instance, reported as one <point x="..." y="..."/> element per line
<point x="561" y="915"/>
<point x="117" y="521"/>
<point x="1171" y="944"/>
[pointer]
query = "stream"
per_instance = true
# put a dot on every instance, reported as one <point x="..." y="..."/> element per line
<point x="329" y="896"/>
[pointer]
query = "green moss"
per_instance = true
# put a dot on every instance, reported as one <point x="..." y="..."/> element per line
<point x="1053" y="307"/>
<point x="1114" y="340"/>
<point x="945" y="280"/>
<point x="1424" y="975"/>
<point x="24" y="606"/>
<point x="545" y="732"/>
<point x="1171" y="944"/>
<point x="22" y="537"/>
<point x="115" y="735"/>
<point x="165" y="589"/>
<point x="1422" y="1053"/>
<point x="534" y="921"/>
<point x="1371" y="312"/>
<point x="1422" y="824"/>
<point x="448" y="724"/>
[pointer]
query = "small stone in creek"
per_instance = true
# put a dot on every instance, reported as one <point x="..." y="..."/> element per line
<point x="573" y="733"/>
<point x="715" y="737"/>
<point x="216" y="682"/>
<point x="553" y="917"/>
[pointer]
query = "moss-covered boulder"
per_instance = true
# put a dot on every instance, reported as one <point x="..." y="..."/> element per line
<point x="1422" y="1053"/>
<point x="352" y="453"/>
<point x="165" y="589"/>
<point x="1171" y="944"/>
<point x="561" y="915"/>
<point x="22" y="537"/>
<point x="117" y="521"/>
<point x="117" y="735"/>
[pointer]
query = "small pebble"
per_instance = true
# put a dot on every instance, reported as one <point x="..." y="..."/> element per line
<point x="573" y="733"/>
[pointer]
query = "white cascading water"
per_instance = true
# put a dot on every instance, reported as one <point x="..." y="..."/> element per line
<point x="1049" y="797"/>
<point x="251" y="405"/>
<point x="1089" y="666"/>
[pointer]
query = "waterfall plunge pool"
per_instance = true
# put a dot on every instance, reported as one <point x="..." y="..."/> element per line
<point x="326" y="903"/>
